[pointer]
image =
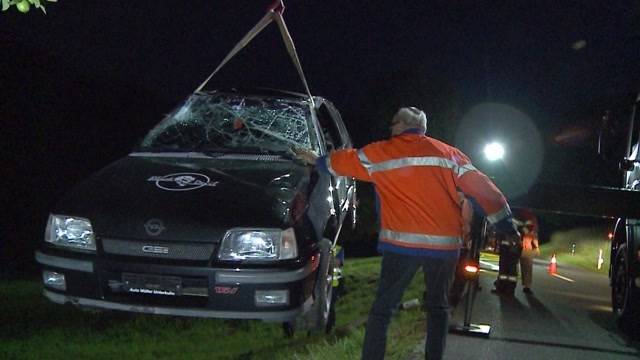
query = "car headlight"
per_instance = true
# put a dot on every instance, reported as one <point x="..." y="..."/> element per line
<point x="71" y="232"/>
<point x="258" y="244"/>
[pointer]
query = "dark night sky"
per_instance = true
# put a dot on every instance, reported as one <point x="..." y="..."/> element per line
<point x="490" y="50"/>
<point x="79" y="85"/>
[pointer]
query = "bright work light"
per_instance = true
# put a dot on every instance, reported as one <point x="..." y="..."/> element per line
<point x="494" y="151"/>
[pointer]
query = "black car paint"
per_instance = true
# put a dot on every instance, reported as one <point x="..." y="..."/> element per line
<point x="120" y="199"/>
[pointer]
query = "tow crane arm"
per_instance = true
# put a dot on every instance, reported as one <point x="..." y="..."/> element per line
<point x="274" y="13"/>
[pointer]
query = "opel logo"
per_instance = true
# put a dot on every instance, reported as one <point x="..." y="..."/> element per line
<point x="154" y="227"/>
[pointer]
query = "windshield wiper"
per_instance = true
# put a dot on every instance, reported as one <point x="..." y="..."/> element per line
<point x="158" y="149"/>
<point x="287" y="154"/>
<point x="259" y="150"/>
<point x="211" y="151"/>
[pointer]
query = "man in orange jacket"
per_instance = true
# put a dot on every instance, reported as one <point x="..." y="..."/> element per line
<point x="417" y="179"/>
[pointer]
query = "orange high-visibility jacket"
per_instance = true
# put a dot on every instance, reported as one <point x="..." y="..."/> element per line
<point x="417" y="179"/>
<point x="529" y="241"/>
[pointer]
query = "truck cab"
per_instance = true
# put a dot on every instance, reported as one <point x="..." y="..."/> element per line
<point x="624" y="271"/>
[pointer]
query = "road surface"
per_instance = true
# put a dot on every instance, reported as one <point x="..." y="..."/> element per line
<point x="567" y="317"/>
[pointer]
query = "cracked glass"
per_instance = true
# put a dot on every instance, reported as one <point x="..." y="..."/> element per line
<point x="234" y="123"/>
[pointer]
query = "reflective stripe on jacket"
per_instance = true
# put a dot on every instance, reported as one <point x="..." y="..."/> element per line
<point x="417" y="179"/>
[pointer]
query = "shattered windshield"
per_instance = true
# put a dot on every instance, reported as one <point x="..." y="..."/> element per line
<point x="233" y="123"/>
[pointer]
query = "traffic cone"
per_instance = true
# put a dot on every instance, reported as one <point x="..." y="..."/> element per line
<point x="553" y="266"/>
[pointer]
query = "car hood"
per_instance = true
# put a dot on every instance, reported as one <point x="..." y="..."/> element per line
<point x="189" y="196"/>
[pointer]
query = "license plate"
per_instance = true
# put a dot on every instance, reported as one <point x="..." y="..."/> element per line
<point x="152" y="284"/>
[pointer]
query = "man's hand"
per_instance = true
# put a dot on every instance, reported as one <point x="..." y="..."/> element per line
<point x="307" y="156"/>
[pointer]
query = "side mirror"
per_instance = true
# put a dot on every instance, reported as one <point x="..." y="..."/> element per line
<point x="627" y="165"/>
<point x="605" y="135"/>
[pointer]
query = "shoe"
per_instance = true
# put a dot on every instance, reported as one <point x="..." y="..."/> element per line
<point x="527" y="291"/>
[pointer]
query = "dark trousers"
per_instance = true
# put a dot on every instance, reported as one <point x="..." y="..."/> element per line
<point x="396" y="273"/>
<point x="508" y="271"/>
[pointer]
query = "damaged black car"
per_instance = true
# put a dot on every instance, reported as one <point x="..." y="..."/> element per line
<point x="211" y="216"/>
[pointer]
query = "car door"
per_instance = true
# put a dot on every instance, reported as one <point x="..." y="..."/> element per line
<point x="350" y="182"/>
<point x="336" y="137"/>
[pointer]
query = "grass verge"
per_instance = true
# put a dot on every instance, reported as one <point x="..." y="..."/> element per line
<point x="579" y="247"/>
<point x="33" y="328"/>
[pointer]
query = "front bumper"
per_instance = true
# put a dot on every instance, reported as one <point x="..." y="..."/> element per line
<point x="194" y="291"/>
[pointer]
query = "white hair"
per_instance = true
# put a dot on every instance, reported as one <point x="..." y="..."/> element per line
<point x="412" y="117"/>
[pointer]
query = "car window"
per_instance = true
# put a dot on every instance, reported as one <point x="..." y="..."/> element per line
<point x="344" y="134"/>
<point x="329" y="129"/>
<point x="635" y="136"/>
<point x="232" y="123"/>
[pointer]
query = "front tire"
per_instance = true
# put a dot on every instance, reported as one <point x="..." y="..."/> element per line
<point x="625" y="298"/>
<point x="322" y="313"/>
<point x="289" y="329"/>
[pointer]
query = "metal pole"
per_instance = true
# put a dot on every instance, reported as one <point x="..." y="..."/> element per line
<point x="467" y="327"/>
<point x="474" y="253"/>
<point x="468" y="305"/>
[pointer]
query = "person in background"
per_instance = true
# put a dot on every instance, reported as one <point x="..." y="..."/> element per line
<point x="530" y="249"/>
<point x="514" y="252"/>
<point x="417" y="180"/>
<point x="510" y="250"/>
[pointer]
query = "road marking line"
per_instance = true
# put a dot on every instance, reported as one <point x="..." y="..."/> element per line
<point x="563" y="278"/>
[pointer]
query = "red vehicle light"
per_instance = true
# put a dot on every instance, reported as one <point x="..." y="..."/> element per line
<point x="472" y="269"/>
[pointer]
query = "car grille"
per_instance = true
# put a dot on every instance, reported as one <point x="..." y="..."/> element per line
<point x="158" y="249"/>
